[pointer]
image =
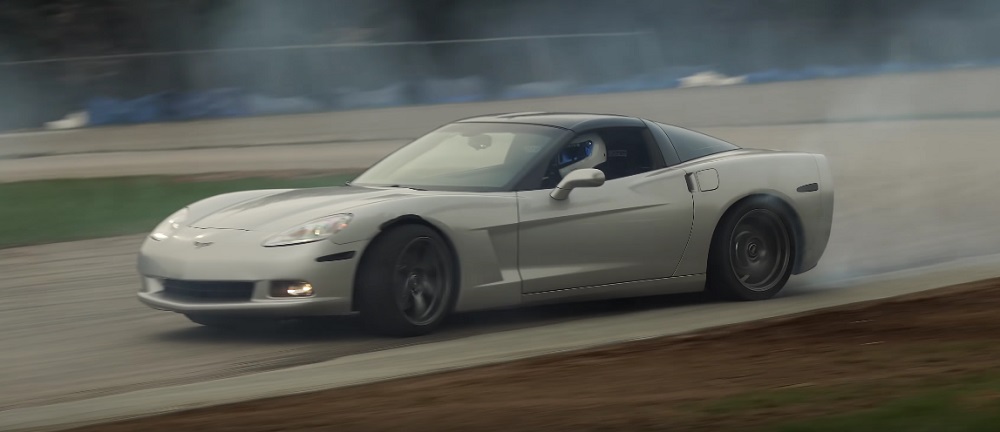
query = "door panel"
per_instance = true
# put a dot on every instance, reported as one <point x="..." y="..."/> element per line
<point x="629" y="229"/>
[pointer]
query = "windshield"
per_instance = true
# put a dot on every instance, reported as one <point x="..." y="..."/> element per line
<point x="464" y="156"/>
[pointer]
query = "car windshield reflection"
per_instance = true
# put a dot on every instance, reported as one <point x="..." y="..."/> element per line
<point x="480" y="156"/>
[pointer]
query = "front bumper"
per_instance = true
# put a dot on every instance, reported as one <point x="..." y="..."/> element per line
<point x="235" y="257"/>
<point x="268" y="307"/>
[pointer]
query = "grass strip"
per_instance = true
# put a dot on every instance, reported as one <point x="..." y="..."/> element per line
<point x="47" y="211"/>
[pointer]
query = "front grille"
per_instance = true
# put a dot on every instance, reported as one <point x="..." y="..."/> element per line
<point x="208" y="290"/>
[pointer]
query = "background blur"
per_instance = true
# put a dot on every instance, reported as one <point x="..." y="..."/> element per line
<point x="909" y="125"/>
<point x="138" y="61"/>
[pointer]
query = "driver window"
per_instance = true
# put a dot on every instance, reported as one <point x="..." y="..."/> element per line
<point x="627" y="151"/>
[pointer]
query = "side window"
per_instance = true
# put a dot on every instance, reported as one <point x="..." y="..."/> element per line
<point x="630" y="151"/>
<point x="692" y="145"/>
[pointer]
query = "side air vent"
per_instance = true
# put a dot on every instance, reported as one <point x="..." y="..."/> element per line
<point x="811" y="187"/>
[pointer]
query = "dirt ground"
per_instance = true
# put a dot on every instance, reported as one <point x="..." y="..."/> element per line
<point x="672" y="383"/>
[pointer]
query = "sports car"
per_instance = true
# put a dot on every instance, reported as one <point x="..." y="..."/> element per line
<point x="500" y="211"/>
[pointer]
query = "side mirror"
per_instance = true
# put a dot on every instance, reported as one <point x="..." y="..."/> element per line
<point x="587" y="177"/>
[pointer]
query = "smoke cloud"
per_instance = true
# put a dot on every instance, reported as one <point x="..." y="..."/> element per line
<point x="909" y="192"/>
<point x="676" y="37"/>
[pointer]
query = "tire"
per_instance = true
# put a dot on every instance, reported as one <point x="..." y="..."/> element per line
<point x="406" y="282"/>
<point x="752" y="252"/>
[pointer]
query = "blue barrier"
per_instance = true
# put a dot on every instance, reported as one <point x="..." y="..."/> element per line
<point x="227" y="102"/>
<point x="388" y="96"/>
<point x="218" y="103"/>
<point x="106" y="111"/>
<point x="209" y="104"/>
<point x="537" y="89"/>
<point x="264" y="105"/>
<point x="461" y="90"/>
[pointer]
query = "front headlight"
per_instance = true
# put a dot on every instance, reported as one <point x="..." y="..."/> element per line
<point x="316" y="230"/>
<point x="169" y="225"/>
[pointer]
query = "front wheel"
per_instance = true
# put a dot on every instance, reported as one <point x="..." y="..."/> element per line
<point x="406" y="282"/>
<point x="751" y="252"/>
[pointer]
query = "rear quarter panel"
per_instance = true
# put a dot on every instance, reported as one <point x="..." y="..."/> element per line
<point x="745" y="173"/>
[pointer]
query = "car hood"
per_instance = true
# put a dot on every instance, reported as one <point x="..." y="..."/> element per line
<point x="283" y="209"/>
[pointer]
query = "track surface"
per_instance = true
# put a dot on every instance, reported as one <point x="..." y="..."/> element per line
<point x="836" y="361"/>
<point x="73" y="330"/>
<point x="908" y="193"/>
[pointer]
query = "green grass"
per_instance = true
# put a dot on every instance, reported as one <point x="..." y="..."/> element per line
<point x="941" y="404"/>
<point x="61" y="210"/>
<point x="972" y="405"/>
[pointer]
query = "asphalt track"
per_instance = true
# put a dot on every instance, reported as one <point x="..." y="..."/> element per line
<point x="909" y="193"/>
<point x="653" y="319"/>
<point x="72" y="328"/>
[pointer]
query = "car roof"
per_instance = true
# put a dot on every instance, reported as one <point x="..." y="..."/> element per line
<point x="571" y="121"/>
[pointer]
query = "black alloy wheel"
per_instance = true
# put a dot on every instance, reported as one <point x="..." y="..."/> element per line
<point x="407" y="282"/>
<point x="752" y="252"/>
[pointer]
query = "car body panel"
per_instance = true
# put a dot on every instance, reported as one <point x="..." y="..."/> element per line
<point x="643" y="234"/>
<point x="638" y="288"/>
<point x="285" y="209"/>
<point x="744" y="173"/>
<point x="481" y="227"/>
<point x="630" y="229"/>
<point x="236" y="255"/>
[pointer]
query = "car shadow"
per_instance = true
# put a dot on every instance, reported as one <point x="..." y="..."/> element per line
<point x="307" y="342"/>
<point x="532" y="316"/>
<point x="348" y="334"/>
<point x="270" y="332"/>
<point x="348" y="329"/>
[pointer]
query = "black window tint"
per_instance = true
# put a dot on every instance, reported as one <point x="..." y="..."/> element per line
<point x="631" y="151"/>
<point x="692" y="145"/>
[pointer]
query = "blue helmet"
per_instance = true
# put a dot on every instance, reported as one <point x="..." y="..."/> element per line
<point x="585" y="151"/>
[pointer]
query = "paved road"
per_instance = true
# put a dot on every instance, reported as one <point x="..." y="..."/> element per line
<point x="72" y="329"/>
<point x="657" y="318"/>
<point x="909" y="193"/>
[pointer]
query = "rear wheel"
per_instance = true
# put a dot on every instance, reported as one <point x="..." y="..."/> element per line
<point x="751" y="253"/>
<point x="406" y="282"/>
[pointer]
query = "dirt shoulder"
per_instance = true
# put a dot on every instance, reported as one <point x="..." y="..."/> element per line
<point x="732" y="378"/>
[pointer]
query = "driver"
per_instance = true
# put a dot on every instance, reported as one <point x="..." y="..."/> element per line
<point x="585" y="151"/>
